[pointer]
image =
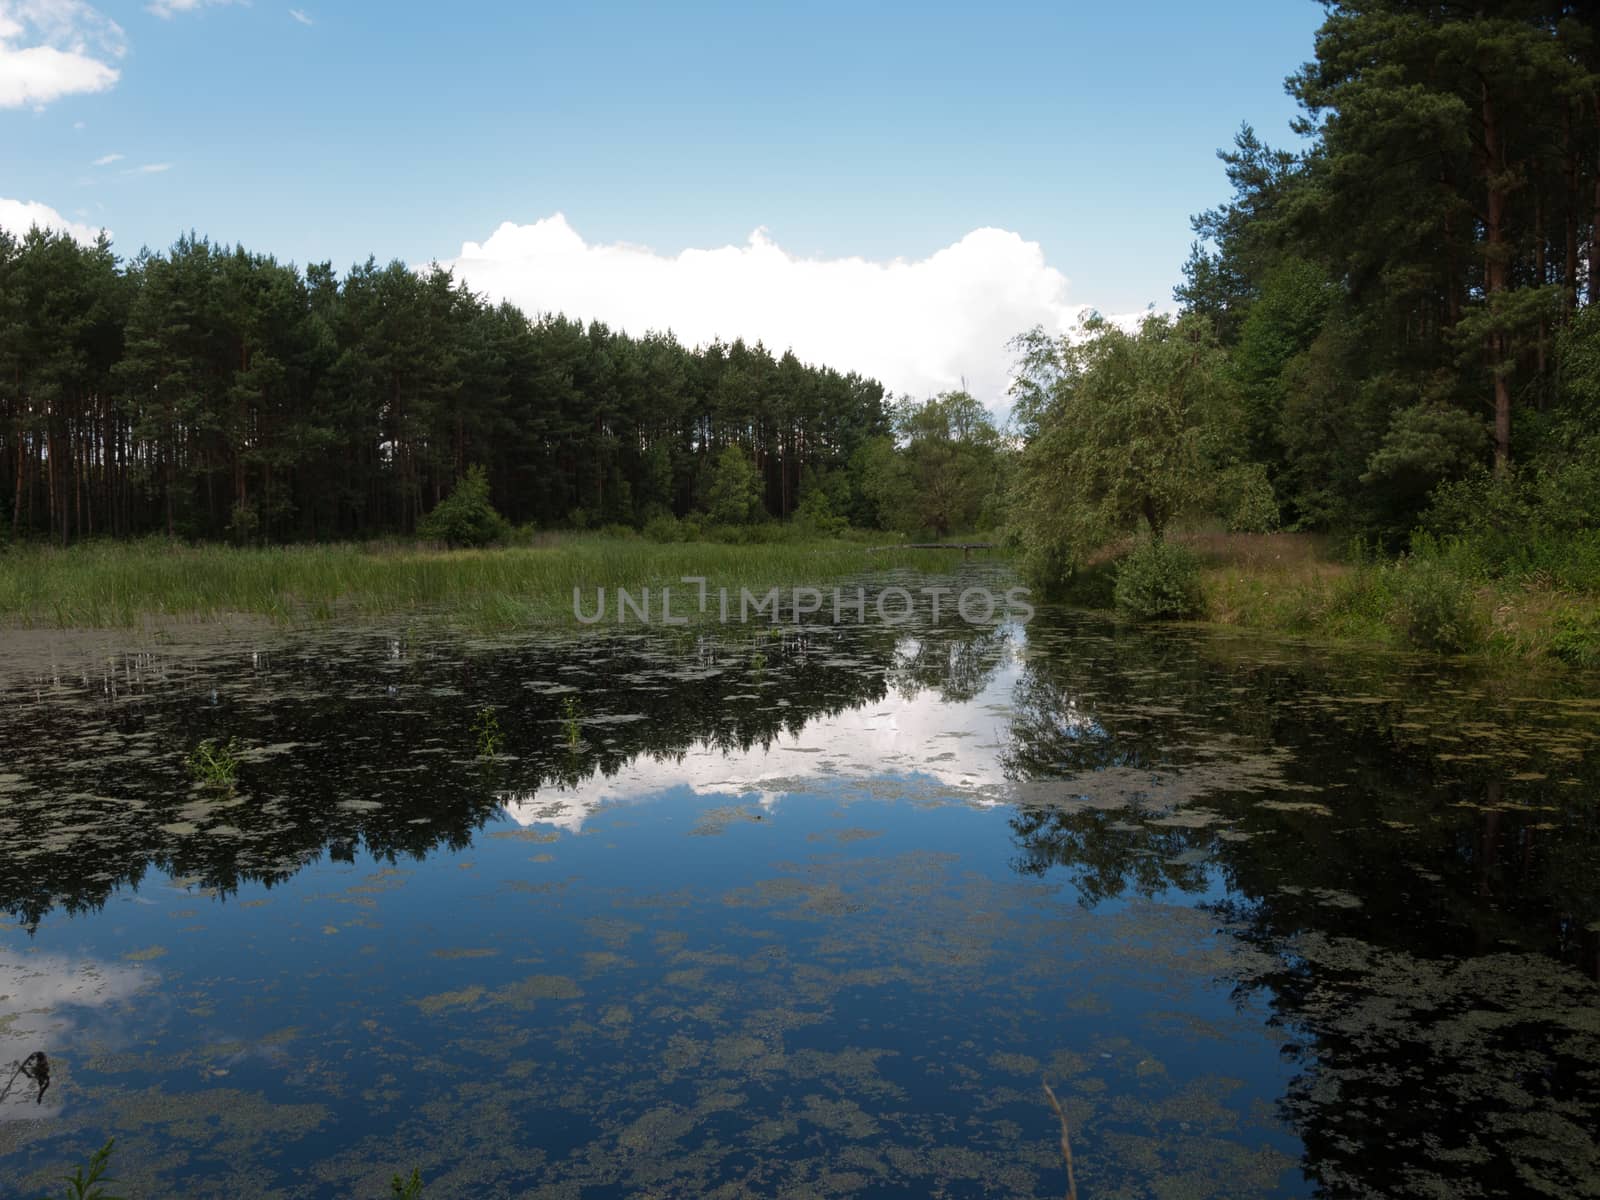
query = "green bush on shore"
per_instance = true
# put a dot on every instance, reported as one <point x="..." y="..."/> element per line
<point x="1158" y="580"/>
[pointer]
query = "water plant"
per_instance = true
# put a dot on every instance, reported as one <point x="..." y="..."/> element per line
<point x="407" y="1189"/>
<point x="215" y="764"/>
<point x="486" y="729"/>
<point x="758" y="661"/>
<point x="571" y="722"/>
<point x="90" y="1186"/>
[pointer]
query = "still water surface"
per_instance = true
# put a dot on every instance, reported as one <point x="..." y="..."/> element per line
<point x="801" y="913"/>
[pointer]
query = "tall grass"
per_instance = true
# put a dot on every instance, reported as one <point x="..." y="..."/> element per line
<point x="1449" y="597"/>
<point x="125" y="584"/>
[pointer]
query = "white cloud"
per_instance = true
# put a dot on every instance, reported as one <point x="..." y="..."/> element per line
<point x="18" y="216"/>
<point x="52" y="997"/>
<point x="105" y="160"/>
<point x="921" y="326"/>
<point x="929" y="743"/>
<point x="167" y="9"/>
<point x="55" y="48"/>
<point x="149" y="169"/>
<point x="300" y="16"/>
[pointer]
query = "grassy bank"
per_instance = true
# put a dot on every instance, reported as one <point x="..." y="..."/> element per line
<point x="1440" y="598"/>
<point x="127" y="584"/>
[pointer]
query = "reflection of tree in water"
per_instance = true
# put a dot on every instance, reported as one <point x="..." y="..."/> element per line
<point x="955" y="662"/>
<point x="375" y="749"/>
<point x="1418" y="873"/>
<point x="34" y="1070"/>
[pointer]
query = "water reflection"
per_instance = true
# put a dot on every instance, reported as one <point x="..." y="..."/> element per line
<point x="1357" y="896"/>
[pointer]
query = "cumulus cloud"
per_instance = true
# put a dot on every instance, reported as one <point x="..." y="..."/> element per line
<point x="921" y="326"/>
<point x="50" y="998"/>
<point x="19" y="216"/>
<point x="859" y="745"/>
<point x="55" y="48"/>
<point x="167" y="9"/>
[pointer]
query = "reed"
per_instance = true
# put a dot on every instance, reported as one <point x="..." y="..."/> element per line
<point x="127" y="584"/>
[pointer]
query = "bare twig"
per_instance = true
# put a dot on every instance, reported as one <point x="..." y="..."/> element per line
<point x="1066" y="1142"/>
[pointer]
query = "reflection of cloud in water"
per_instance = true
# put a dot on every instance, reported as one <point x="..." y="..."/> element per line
<point x="952" y="744"/>
<point x="38" y="993"/>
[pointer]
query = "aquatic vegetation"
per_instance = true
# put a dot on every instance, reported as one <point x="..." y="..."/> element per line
<point x="407" y="1189"/>
<point x="215" y="764"/>
<point x="571" y="722"/>
<point x="487" y="733"/>
<point x="1108" y="821"/>
<point x="89" y="1185"/>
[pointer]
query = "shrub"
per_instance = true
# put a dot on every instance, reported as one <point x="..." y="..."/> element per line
<point x="465" y="517"/>
<point x="663" y="528"/>
<point x="1158" y="580"/>
<point x="1433" y="607"/>
<point x="1576" y="641"/>
<point x="244" y="525"/>
<point x="734" y="497"/>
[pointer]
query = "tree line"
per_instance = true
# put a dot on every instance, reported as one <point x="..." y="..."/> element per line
<point x="211" y="392"/>
<point x="1402" y="295"/>
<point x="1393" y="327"/>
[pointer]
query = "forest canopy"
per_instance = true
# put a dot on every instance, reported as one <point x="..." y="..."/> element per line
<point x="211" y="392"/>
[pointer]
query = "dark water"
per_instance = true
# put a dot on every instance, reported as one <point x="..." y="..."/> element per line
<point x="801" y="913"/>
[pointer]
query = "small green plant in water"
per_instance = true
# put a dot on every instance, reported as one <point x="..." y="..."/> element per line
<point x="215" y="764"/>
<point x="407" y="1189"/>
<point x="90" y="1186"/>
<point x="570" y="721"/>
<point x="758" y="661"/>
<point x="486" y="729"/>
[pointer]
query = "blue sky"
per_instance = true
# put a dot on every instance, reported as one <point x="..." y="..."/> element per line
<point x="878" y="131"/>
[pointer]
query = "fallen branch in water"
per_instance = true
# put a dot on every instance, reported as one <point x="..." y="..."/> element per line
<point x="1066" y="1142"/>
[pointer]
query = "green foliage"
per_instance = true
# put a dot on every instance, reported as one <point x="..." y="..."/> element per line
<point x="244" y="526"/>
<point x="90" y="1184"/>
<point x="486" y="733"/>
<point x="1245" y="499"/>
<point x="1426" y="445"/>
<point x="1541" y="520"/>
<point x="209" y="392"/>
<point x="816" y="512"/>
<point x="215" y="764"/>
<point x="406" y="1189"/>
<point x="734" y="497"/>
<point x="1158" y="580"/>
<point x="1130" y="435"/>
<point x="1283" y="322"/>
<point x="1576" y="640"/>
<point x="571" y="722"/>
<point x="466" y="517"/>
<point x="111" y="584"/>
<point x="663" y="528"/>
<point x="883" y="487"/>
<point x="949" y="471"/>
<point x="1433" y="607"/>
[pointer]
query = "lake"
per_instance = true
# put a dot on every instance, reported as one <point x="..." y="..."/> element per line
<point x="801" y="911"/>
